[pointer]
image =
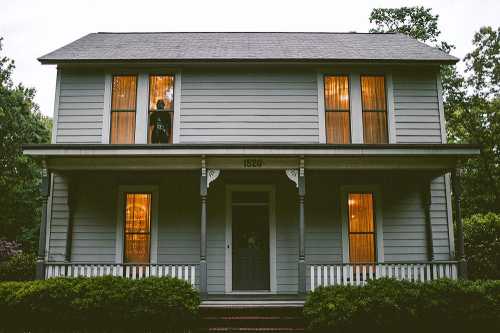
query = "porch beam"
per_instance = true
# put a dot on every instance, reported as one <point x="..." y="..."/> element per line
<point x="302" y="251"/>
<point x="203" y="233"/>
<point x="44" y="192"/>
<point x="462" y="263"/>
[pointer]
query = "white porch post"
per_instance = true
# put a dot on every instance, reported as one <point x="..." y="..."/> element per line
<point x="203" y="235"/>
<point x="44" y="191"/>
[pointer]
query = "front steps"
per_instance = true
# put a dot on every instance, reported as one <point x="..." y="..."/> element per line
<point x="252" y="316"/>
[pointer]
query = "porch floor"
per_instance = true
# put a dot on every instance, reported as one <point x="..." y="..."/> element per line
<point x="253" y="300"/>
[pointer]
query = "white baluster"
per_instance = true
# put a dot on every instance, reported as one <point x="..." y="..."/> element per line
<point x="312" y="277"/>
<point x="193" y="280"/>
<point x="453" y="271"/>
<point x="319" y="275"/>
<point x="332" y="275"/>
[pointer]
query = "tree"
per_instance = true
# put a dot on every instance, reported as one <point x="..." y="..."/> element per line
<point x="20" y="123"/>
<point x="471" y="101"/>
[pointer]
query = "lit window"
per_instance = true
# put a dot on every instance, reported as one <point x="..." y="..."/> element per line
<point x="123" y="107"/>
<point x="337" y="109"/>
<point x="361" y="228"/>
<point x="161" y="108"/>
<point x="374" y="109"/>
<point x="137" y="227"/>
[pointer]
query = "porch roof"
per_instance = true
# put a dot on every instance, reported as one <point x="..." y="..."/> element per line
<point x="258" y="156"/>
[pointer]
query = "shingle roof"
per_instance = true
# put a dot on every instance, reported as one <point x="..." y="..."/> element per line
<point x="247" y="46"/>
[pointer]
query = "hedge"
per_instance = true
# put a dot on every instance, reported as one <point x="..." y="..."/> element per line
<point x="20" y="267"/>
<point x="399" y="306"/>
<point x="103" y="304"/>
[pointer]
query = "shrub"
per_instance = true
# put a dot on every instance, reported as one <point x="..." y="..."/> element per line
<point x="103" y="304"/>
<point x="8" y="249"/>
<point x="20" y="267"/>
<point x="399" y="306"/>
<point x="482" y="246"/>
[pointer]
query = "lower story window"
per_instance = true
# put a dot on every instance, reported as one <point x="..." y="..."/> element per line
<point x="137" y="228"/>
<point x="361" y="229"/>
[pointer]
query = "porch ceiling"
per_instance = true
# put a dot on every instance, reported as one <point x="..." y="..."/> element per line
<point x="441" y="157"/>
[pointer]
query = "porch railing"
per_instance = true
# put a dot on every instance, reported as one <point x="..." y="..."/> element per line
<point x="358" y="274"/>
<point x="185" y="272"/>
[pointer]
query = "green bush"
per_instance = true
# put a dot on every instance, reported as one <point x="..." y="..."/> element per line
<point x="20" y="267"/>
<point x="387" y="305"/>
<point x="482" y="246"/>
<point x="103" y="304"/>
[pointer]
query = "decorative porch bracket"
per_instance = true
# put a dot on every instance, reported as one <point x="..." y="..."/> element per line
<point x="462" y="263"/>
<point x="298" y="177"/>
<point x="44" y="191"/>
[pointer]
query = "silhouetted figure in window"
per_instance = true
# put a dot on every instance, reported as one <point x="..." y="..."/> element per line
<point x="160" y="120"/>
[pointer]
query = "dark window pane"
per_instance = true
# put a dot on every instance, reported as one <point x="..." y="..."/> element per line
<point x="375" y="127"/>
<point x="161" y="106"/>
<point x="338" y="127"/>
<point x="123" y="127"/>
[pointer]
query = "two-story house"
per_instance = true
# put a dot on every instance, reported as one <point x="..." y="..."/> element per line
<point x="261" y="163"/>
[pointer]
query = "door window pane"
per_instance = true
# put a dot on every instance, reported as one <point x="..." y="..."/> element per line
<point x="361" y="228"/>
<point x="137" y="227"/>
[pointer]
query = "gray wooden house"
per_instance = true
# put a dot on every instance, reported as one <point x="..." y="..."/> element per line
<point x="249" y="163"/>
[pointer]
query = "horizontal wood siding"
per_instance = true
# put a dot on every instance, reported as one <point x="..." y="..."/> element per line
<point x="416" y="108"/>
<point x="439" y="219"/>
<point x="249" y="107"/>
<point x="81" y="107"/>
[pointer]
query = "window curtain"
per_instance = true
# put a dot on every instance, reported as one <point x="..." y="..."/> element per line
<point x="361" y="228"/>
<point x="137" y="227"/>
<point x="337" y="115"/>
<point x="123" y="107"/>
<point x="374" y="109"/>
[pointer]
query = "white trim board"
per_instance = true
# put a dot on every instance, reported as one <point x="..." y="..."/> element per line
<point x="271" y="189"/>
<point x="56" y="106"/>
<point x="379" y="234"/>
<point x="154" y="220"/>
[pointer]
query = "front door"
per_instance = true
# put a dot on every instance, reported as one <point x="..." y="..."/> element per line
<point x="250" y="226"/>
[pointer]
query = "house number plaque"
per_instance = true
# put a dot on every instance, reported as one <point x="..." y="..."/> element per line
<point x="253" y="163"/>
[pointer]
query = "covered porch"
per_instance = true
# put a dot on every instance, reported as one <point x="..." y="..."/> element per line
<point x="206" y="194"/>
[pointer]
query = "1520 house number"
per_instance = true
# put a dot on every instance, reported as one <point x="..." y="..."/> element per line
<point x="253" y="163"/>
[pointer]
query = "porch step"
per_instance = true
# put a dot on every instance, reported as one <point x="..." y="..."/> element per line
<point x="270" y="317"/>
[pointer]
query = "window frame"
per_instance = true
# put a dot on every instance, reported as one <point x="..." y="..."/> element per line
<point x="378" y="219"/>
<point x="113" y="75"/>
<point x="386" y="98"/>
<point x="174" y="102"/>
<point x="120" y="223"/>
<point x="349" y="111"/>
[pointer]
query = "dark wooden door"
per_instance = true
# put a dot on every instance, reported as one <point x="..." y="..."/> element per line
<point x="250" y="226"/>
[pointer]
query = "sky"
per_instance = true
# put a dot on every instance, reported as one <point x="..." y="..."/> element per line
<point x="32" y="28"/>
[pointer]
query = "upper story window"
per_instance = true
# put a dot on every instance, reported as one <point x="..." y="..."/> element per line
<point x="337" y="109"/>
<point x="361" y="227"/>
<point x="161" y="108"/>
<point x="374" y="109"/>
<point x="123" y="108"/>
<point x="137" y="227"/>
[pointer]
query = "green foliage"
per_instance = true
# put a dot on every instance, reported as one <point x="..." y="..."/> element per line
<point x="417" y="22"/>
<point x="482" y="246"/>
<point x="19" y="267"/>
<point x="471" y="101"/>
<point x="21" y="122"/>
<point x="105" y="304"/>
<point x="399" y="306"/>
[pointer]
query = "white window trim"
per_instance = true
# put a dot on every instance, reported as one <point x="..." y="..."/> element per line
<point x="142" y="108"/>
<point x="177" y="107"/>
<point x="56" y="106"/>
<point x="391" y="117"/>
<point x="271" y="189"/>
<point x="106" y="118"/>
<point x="120" y="217"/>
<point x="320" y="77"/>
<point x="356" y="108"/>
<point x="375" y="189"/>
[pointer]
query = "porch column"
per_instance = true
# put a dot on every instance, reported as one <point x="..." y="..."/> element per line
<point x="462" y="263"/>
<point x="426" y="204"/>
<point x="203" y="235"/>
<point x="44" y="192"/>
<point x="72" y="188"/>
<point x="302" y="250"/>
